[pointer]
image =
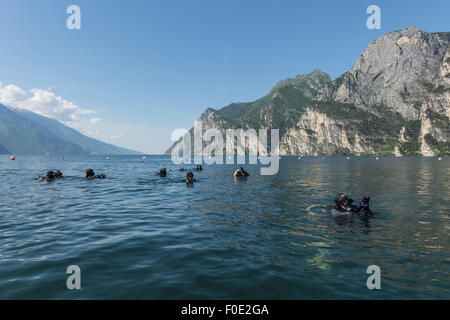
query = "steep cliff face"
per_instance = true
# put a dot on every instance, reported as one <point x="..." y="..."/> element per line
<point x="395" y="100"/>
<point x="317" y="133"/>
<point x="406" y="72"/>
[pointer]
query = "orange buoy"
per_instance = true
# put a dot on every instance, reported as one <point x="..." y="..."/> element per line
<point x="13" y="158"/>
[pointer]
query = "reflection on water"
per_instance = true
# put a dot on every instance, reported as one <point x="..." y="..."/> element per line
<point x="135" y="235"/>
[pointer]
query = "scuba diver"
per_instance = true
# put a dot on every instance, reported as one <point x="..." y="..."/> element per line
<point x="344" y="204"/>
<point x="51" y="175"/>
<point x="198" y="167"/>
<point x="90" y="174"/>
<point x="58" y="174"/>
<point x="364" y="206"/>
<point x="181" y="168"/>
<point x="189" y="178"/>
<point x="240" y="173"/>
<point x="162" y="173"/>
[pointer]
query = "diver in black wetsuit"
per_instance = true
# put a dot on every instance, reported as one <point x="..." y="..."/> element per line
<point x="364" y="206"/>
<point x="240" y="173"/>
<point x="58" y="174"/>
<point x="198" y="167"/>
<point x="90" y="174"/>
<point x="51" y="175"/>
<point x="189" y="178"/>
<point x="162" y="173"/>
<point x="345" y="204"/>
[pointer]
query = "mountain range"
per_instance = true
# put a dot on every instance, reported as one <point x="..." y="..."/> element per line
<point x="395" y="100"/>
<point x="25" y="132"/>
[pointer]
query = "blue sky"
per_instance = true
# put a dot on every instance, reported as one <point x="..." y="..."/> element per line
<point x="139" y="69"/>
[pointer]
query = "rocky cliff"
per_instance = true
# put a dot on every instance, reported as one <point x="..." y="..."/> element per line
<point x="395" y="100"/>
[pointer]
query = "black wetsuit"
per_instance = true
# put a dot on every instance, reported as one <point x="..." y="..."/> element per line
<point x="241" y="173"/>
<point x="355" y="209"/>
<point x="162" y="173"/>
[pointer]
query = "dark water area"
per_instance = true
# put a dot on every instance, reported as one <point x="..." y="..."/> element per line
<point x="138" y="236"/>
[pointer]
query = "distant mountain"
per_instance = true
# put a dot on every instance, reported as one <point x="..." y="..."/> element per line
<point x="23" y="131"/>
<point x="279" y="109"/>
<point x="395" y="100"/>
<point x="3" y="150"/>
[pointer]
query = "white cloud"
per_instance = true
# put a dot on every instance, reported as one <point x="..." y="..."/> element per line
<point x="47" y="103"/>
<point x="96" y="120"/>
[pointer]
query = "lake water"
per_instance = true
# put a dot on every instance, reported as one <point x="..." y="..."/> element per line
<point x="135" y="235"/>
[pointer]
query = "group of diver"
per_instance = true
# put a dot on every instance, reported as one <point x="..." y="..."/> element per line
<point x="342" y="203"/>
<point x="239" y="173"/>
<point x="50" y="176"/>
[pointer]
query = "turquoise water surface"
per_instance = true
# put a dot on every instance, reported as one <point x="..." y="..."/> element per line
<point x="137" y="236"/>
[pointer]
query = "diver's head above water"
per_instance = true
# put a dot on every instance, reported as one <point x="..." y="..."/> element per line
<point x="340" y="198"/>
<point x="89" y="174"/>
<point x="190" y="177"/>
<point x="50" y="176"/>
<point x="343" y="202"/>
<point x="239" y="173"/>
<point x="58" y="174"/>
<point x="162" y="172"/>
<point x="364" y="202"/>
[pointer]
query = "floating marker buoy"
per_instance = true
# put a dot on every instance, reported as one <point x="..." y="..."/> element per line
<point x="144" y="158"/>
<point x="377" y="158"/>
<point x="348" y="158"/>
<point x="108" y="158"/>
<point x="440" y="159"/>
<point x="13" y="158"/>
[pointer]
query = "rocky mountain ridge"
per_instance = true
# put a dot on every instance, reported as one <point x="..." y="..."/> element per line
<point x="395" y="100"/>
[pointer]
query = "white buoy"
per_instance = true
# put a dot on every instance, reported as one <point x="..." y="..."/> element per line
<point x="348" y="158"/>
<point x="439" y="159"/>
<point x="144" y="158"/>
<point x="377" y="158"/>
<point x="108" y="158"/>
